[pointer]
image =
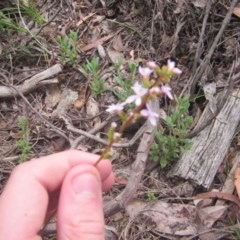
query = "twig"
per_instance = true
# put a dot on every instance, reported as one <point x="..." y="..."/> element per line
<point x="77" y="141"/>
<point x="202" y="68"/>
<point x="31" y="84"/>
<point x="130" y="143"/>
<point x="200" y="41"/>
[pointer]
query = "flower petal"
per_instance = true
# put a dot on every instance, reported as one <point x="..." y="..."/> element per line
<point x="145" y="71"/>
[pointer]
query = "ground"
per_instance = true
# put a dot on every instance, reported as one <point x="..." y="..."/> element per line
<point x="64" y="105"/>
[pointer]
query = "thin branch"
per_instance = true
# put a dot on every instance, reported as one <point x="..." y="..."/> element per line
<point x="200" y="41"/>
<point x="203" y="66"/>
<point x="91" y="136"/>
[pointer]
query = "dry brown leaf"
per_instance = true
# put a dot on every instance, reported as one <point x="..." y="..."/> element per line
<point x="220" y="195"/>
<point x="78" y="103"/>
<point x="134" y="207"/>
<point x="97" y="42"/>
<point x="115" y="56"/>
<point x="82" y="96"/>
<point x="92" y="109"/>
<point x="209" y="215"/>
<point x="117" y="44"/>
<point x="169" y="218"/>
<point x="53" y="95"/>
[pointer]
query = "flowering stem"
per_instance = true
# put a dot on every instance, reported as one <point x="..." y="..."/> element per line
<point x="107" y="148"/>
<point x="143" y="93"/>
<point x="123" y="127"/>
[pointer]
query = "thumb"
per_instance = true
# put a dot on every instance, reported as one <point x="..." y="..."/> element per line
<point x="80" y="213"/>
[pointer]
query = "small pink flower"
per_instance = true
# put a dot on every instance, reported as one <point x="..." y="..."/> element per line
<point x="152" y="64"/>
<point x="116" y="136"/>
<point x="139" y="91"/>
<point x="150" y="115"/>
<point x="115" y="108"/>
<point x="171" y="67"/>
<point x="155" y="91"/>
<point x="167" y="90"/>
<point x="113" y="125"/>
<point x="145" y="72"/>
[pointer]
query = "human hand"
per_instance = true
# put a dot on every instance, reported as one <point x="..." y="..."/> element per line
<point x="66" y="183"/>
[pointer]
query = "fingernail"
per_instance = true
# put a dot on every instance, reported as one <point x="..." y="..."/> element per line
<point x="86" y="186"/>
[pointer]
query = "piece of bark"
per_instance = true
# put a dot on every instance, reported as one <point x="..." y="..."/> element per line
<point x="210" y="146"/>
<point x="30" y="84"/>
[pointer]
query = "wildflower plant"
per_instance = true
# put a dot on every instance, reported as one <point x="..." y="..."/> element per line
<point x="123" y="81"/>
<point x="170" y="144"/>
<point x="23" y="144"/>
<point x="154" y="84"/>
<point x="91" y="70"/>
<point x="68" y="45"/>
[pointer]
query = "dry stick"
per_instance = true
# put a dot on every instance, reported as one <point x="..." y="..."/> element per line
<point x="91" y="136"/>
<point x="200" y="41"/>
<point x="30" y="84"/>
<point x="77" y="141"/>
<point x="201" y="69"/>
<point x="137" y="169"/>
<point x="176" y="37"/>
<point x="152" y="24"/>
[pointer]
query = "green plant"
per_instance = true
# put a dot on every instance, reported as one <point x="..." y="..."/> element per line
<point x="91" y="70"/>
<point x="153" y="85"/>
<point x="169" y="145"/>
<point x="9" y="23"/>
<point x="68" y="45"/>
<point x="23" y="144"/>
<point x="125" y="83"/>
<point x="151" y="196"/>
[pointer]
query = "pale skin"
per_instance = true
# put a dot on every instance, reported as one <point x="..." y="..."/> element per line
<point x="65" y="183"/>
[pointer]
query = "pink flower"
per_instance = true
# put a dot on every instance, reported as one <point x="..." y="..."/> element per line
<point x="152" y="64"/>
<point x="145" y="72"/>
<point x="115" y="108"/>
<point x="171" y="67"/>
<point x="139" y="91"/>
<point x="150" y="115"/>
<point x="155" y="90"/>
<point x="167" y="90"/>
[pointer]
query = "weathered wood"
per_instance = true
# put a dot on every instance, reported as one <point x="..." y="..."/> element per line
<point x="32" y="83"/>
<point x="210" y="146"/>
